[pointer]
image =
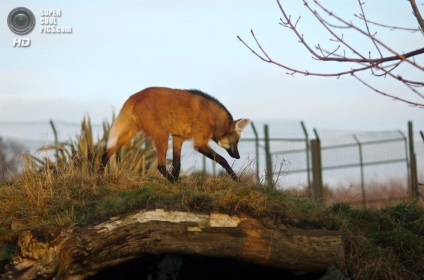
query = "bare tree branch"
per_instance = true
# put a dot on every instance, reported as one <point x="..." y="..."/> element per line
<point x="417" y="14"/>
<point x="368" y="29"/>
<point x="378" y="66"/>
<point x="265" y="57"/>
<point x="391" y="27"/>
<point x="375" y="61"/>
<point x="386" y="94"/>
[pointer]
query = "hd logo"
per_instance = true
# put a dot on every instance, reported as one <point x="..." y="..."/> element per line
<point x="21" y="42"/>
<point x="21" y="21"/>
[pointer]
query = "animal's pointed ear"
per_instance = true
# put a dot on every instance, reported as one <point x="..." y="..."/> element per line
<point x="241" y="124"/>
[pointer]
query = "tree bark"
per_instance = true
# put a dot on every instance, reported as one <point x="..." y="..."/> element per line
<point x="80" y="252"/>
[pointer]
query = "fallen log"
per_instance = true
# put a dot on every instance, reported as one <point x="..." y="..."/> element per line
<point x="80" y="252"/>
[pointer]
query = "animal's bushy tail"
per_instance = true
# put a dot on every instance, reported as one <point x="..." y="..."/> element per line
<point x="124" y="128"/>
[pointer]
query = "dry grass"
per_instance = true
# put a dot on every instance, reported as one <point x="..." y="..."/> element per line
<point x="383" y="243"/>
<point x="377" y="194"/>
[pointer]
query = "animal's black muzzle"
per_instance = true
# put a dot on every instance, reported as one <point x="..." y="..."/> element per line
<point x="233" y="151"/>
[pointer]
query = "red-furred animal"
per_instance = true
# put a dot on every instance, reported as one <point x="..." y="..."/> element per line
<point x="185" y="114"/>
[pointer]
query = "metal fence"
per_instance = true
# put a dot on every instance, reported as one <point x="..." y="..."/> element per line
<point x="346" y="158"/>
<point x="281" y="153"/>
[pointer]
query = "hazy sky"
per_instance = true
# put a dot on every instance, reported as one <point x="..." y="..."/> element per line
<point x="117" y="48"/>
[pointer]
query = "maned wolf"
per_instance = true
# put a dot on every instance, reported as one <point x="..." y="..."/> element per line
<point x="184" y="114"/>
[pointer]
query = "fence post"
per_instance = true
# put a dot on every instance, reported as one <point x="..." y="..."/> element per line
<point x="412" y="163"/>
<point x="405" y="143"/>
<point x="256" y="150"/>
<point x="361" y="167"/>
<point x="269" y="175"/>
<point x="308" y="164"/>
<point x="316" y="171"/>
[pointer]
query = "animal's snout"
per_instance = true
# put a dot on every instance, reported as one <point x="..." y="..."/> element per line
<point x="233" y="151"/>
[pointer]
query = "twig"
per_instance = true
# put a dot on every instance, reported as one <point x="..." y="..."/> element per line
<point x="417" y="14"/>
<point x="388" y="95"/>
<point x="372" y="37"/>
<point x="293" y="71"/>
<point x="388" y="26"/>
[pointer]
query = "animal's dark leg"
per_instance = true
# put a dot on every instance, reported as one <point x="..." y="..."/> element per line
<point x="161" y="144"/>
<point x="106" y="156"/>
<point x="177" y="142"/>
<point x="105" y="159"/>
<point x="207" y="151"/>
<point x="165" y="173"/>
<point x="120" y="140"/>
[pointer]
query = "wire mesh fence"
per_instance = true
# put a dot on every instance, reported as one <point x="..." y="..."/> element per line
<point x="279" y="152"/>
<point x="354" y="163"/>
